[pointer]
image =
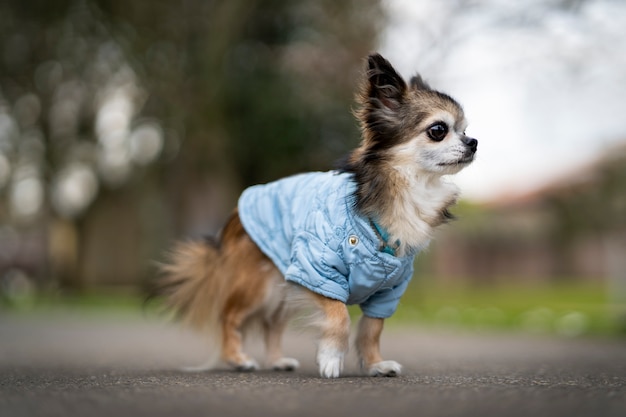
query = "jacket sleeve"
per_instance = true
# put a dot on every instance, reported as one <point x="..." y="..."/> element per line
<point x="316" y="267"/>
<point x="383" y="303"/>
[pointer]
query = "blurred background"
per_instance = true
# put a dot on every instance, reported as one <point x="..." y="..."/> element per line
<point x="127" y="125"/>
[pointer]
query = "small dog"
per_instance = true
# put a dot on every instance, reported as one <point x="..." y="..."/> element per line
<point x="330" y="239"/>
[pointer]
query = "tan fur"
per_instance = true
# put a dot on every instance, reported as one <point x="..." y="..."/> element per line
<point x="368" y="341"/>
<point x="188" y="278"/>
<point x="222" y="287"/>
<point x="410" y="198"/>
<point x="336" y="326"/>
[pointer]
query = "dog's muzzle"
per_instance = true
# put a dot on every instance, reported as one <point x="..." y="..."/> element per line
<point x="471" y="143"/>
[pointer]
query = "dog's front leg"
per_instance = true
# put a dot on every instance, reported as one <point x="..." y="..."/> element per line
<point x="368" y="348"/>
<point x="334" y="338"/>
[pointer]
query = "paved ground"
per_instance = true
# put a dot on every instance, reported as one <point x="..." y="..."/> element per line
<point x="63" y="365"/>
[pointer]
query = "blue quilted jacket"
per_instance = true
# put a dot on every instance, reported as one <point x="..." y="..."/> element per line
<point x="307" y="225"/>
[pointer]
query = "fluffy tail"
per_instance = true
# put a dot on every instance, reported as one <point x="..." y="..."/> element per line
<point x="190" y="284"/>
<point x="192" y="288"/>
<point x="203" y="279"/>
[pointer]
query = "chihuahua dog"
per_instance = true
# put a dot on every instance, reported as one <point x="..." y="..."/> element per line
<point x="330" y="239"/>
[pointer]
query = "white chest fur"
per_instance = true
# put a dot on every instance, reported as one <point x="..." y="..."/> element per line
<point x="417" y="202"/>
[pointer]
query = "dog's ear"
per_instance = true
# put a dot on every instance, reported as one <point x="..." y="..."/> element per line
<point x="418" y="83"/>
<point x="384" y="83"/>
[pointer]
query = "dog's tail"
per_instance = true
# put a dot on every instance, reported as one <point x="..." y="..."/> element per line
<point x="190" y="285"/>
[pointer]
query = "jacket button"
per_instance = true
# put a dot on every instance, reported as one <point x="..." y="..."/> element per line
<point x="353" y="240"/>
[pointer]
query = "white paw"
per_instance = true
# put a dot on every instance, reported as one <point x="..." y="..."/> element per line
<point x="385" y="368"/>
<point x="246" y="366"/>
<point x="286" y="364"/>
<point x="330" y="361"/>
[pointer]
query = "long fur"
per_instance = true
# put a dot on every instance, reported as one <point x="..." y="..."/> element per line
<point x="406" y="201"/>
<point x="207" y="283"/>
<point x="189" y="278"/>
<point x="220" y="287"/>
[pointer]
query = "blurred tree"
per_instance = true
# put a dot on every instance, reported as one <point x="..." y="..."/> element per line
<point x="594" y="207"/>
<point x="120" y="120"/>
<point x="69" y="106"/>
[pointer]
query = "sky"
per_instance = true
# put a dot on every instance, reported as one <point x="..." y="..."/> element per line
<point x="544" y="97"/>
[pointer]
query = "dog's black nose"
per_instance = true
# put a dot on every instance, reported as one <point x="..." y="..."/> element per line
<point x="470" y="142"/>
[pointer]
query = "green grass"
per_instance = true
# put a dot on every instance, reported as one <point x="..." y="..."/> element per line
<point x="119" y="303"/>
<point x="566" y="309"/>
<point x="571" y="309"/>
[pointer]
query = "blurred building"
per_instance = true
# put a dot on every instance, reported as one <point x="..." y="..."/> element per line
<point x="572" y="228"/>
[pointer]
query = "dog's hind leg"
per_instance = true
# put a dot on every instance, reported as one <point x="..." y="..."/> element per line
<point x="232" y="341"/>
<point x="249" y="280"/>
<point x="368" y="348"/>
<point x="273" y="329"/>
<point x="247" y="303"/>
<point x="243" y="304"/>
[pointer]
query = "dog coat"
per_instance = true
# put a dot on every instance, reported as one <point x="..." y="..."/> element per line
<point x="308" y="226"/>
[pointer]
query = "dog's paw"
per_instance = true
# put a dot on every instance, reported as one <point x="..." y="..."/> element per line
<point x="385" y="368"/>
<point x="247" y="365"/>
<point x="330" y="362"/>
<point x="286" y="364"/>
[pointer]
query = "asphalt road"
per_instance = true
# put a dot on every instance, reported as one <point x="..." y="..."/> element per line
<point x="64" y="365"/>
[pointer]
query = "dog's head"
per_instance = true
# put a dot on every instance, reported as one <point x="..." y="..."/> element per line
<point x="410" y="124"/>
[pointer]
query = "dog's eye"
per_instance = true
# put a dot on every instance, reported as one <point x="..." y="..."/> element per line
<point x="438" y="132"/>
